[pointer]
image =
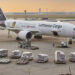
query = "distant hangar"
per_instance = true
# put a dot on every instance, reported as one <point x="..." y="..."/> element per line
<point x="41" y="15"/>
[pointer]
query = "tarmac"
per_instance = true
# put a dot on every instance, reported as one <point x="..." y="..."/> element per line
<point x="45" y="46"/>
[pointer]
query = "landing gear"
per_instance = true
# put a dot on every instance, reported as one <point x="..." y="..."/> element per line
<point x="70" y="41"/>
<point x="18" y="39"/>
<point x="27" y="45"/>
<point x="38" y="36"/>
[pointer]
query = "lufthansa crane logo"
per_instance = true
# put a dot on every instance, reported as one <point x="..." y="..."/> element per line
<point x="13" y="24"/>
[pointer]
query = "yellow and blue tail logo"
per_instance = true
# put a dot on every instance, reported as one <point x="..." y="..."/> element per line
<point x="13" y="24"/>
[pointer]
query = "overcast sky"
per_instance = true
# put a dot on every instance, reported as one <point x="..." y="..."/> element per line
<point x="33" y="5"/>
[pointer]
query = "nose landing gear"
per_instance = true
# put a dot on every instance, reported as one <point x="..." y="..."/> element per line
<point x="38" y="36"/>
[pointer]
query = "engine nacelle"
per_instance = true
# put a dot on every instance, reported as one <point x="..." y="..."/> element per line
<point x="23" y="35"/>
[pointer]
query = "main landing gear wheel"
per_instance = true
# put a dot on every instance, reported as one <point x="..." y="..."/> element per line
<point x="26" y="44"/>
<point x="70" y="41"/>
<point x="18" y="39"/>
<point x="38" y="37"/>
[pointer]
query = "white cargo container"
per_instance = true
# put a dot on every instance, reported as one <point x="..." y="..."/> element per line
<point x="42" y="58"/>
<point x="16" y="54"/>
<point x="3" y="52"/>
<point x="28" y="54"/>
<point x="72" y="57"/>
<point x="59" y="57"/>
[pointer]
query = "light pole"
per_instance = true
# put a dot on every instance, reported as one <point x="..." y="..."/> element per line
<point x="25" y="12"/>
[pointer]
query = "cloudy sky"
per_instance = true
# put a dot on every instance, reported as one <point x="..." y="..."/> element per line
<point x="33" y="5"/>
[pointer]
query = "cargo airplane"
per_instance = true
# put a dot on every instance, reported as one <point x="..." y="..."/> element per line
<point x="25" y="29"/>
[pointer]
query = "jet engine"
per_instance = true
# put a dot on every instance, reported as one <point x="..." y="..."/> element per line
<point x="23" y="35"/>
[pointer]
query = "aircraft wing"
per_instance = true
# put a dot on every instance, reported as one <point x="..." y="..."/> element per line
<point x="11" y="29"/>
<point x="34" y="31"/>
<point x="17" y="30"/>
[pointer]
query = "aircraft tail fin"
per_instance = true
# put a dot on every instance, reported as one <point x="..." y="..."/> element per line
<point x="2" y="16"/>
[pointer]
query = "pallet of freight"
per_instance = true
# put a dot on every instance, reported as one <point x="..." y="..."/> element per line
<point x="42" y="58"/>
<point x="59" y="57"/>
<point x="72" y="57"/>
<point x="5" y="61"/>
<point x="3" y="52"/>
<point x="15" y="54"/>
<point x="22" y="61"/>
<point x="28" y="54"/>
